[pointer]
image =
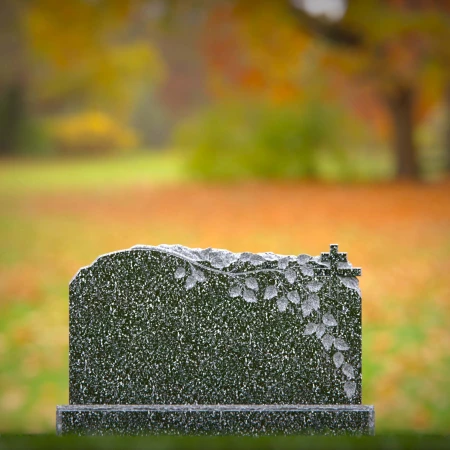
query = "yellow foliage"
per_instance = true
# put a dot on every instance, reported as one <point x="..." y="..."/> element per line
<point x="91" y="132"/>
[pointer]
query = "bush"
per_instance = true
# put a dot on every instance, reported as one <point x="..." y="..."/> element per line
<point x="260" y="141"/>
<point x="90" y="133"/>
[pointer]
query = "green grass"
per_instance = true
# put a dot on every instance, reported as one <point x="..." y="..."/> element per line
<point x="84" y="174"/>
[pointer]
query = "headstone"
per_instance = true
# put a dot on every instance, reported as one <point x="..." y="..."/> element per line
<point x="172" y="340"/>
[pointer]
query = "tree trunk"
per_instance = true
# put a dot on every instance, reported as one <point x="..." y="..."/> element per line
<point x="13" y="75"/>
<point x="12" y="115"/>
<point x="400" y="102"/>
<point x="447" y="129"/>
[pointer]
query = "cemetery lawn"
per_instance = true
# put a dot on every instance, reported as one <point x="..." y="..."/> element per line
<point x="58" y="216"/>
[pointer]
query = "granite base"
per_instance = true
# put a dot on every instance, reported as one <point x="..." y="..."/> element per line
<point x="245" y="420"/>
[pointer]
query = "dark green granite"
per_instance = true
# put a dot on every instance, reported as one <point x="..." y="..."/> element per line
<point x="170" y="325"/>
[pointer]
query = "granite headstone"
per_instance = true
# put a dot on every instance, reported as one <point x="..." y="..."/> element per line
<point x="172" y="340"/>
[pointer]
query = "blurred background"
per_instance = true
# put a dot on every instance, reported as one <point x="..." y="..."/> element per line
<point x="277" y="126"/>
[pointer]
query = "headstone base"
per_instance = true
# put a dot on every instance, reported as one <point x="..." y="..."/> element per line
<point x="245" y="420"/>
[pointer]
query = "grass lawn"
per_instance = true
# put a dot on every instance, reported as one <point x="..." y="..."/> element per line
<point x="57" y="216"/>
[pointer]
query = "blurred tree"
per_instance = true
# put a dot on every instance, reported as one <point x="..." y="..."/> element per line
<point x="64" y="57"/>
<point x="395" y="50"/>
<point x="90" y="52"/>
<point x="401" y="47"/>
<point x="13" y="75"/>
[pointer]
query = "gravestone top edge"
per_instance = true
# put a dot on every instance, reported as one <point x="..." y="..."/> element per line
<point x="220" y="259"/>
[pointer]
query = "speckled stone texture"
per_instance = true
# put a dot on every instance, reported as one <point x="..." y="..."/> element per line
<point x="179" y="334"/>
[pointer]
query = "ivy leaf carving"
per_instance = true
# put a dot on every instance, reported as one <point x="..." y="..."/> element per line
<point x="235" y="291"/>
<point x="198" y="275"/>
<point x="351" y="283"/>
<point x="307" y="271"/>
<point x="338" y="359"/>
<point x="307" y="308"/>
<point x="347" y="369"/>
<point x="327" y="341"/>
<point x="249" y="296"/>
<point x="340" y="344"/>
<point x="303" y="259"/>
<point x="283" y="263"/>
<point x="190" y="282"/>
<point x="293" y="297"/>
<point x="252" y="283"/>
<point x="320" y="330"/>
<point x="282" y="303"/>
<point x="314" y="286"/>
<point x="180" y="273"/>
<point x="315" y="301"/>
<point x="310" y="328"/>
<point x="270" y="292"/>
<point x="290" y="275"/>
<point x="329" y="320"/>
<point x="350" y="388"/>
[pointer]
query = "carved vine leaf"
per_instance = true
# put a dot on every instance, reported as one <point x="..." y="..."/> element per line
<point x="315" y="301"/>
<point x="180" y="273"/>
<point x="190" y="282"/>
<point x="293" y="297"/>
<point x="249" y="296"/>
<point x="351" y="283"/>
<point x="327" y="341"/>
<point x="314" y="286"/>
<point x="282" y="303"/>
<point x="340" y="344"/>
<point x="307" y="271"/>
<point x="307" y="307"/>
<point x="320" y="330"/>
<point x="270" y="292"/>
<point x="350" y="388"/>
<point x="235" y="291"/>
<point x="291" y="275"/>
<point x="329" y="320"/>
<point x="310" y="328"/>
<point x="347" y="370"/>
<point x="338" y="359"/>
<point x="252" y="283"/>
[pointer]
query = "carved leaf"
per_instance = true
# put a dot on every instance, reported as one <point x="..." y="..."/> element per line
<point x="351" y="283"/>
<point x="256" y="260"/>
<point x="340" y="344"/>
<point x="190" y="282"/>
<point x="235" y="291"/>
<point x="347" y="369"/>
<point x="310" y="328"/>
<point x="283" y="263"/>
<point x="252" y="283"/>
<point x="350" y="388"/>
<point x="303" y="259"/>
<point x="180" y="273"/>
<point x="293" y="297"/>
<point x="199" y="275"/>
<point x="306" y="308"/>
<point x="320" y="330"/>
<point x="270" y="292"/>
<point x="290" y="275"/>
<point x="307" y="271"/>
<point x="249" y="296"/>
<point x="327" y="341"/>
<point x="329" y="320"/>
<point x="314" y="286"/>
<point x="315" y="301"/>
<point x="338" y="359"/>
<point x="282" y="303"/>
